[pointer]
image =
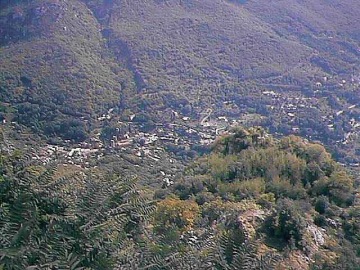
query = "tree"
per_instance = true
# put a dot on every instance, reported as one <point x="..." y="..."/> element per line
<point x="287" y="222"/>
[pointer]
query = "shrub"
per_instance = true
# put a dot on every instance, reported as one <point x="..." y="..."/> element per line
<point x="204" y="197"/>
<point x="175" y="212"/>
<point x="320" y="221"/>
<point x="287" y="222"/>
<point x="321" y="204"/>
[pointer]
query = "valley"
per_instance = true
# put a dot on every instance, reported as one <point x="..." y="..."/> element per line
<point x="179" y="134"/>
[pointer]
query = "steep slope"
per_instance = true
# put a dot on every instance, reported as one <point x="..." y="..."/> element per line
<point x="201" y="47"/>
<point x="53" y="63"/>
<point x="330" y="27"/>
<point x="195" y="48"/>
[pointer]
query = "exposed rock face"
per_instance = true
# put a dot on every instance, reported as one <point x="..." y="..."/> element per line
<point x="317" y="234"/>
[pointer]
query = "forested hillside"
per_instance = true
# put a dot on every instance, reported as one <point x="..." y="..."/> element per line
<point x="55" y="71"/>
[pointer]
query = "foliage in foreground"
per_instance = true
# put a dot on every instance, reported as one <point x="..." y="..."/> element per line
<point x="66" y="223"/>
<point x="241" y="207"/>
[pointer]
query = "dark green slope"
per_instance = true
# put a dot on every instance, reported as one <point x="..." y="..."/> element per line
<point x="54" y="63"/>
<point x="329" y="27"/>
<point x="196" y="47"/>
<point x="193" y="48"/>
<point x="186" y="48"/>
<point x="203" y="52"/>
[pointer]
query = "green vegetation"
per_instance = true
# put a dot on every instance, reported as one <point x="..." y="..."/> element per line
<point x="287" y="185"/>
<point x="123" y="87"/>
<point x="75" y="222"/>
<point x="88" y="221"/>
<point x="253" y="203"/>
<point x="58" y="68"/>
<point x="249" y="164"/>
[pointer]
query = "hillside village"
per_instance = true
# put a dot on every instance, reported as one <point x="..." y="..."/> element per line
<point x="181" y="137"/>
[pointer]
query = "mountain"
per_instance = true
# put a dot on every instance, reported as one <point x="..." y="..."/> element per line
<point x="200" y="48"/>
<point x="54" y="64"/>
<point x="85" y="57"/>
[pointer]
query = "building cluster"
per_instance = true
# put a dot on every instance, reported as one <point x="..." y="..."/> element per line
<point x="181" y="134"/>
